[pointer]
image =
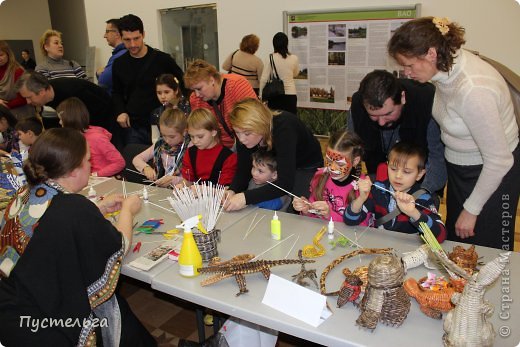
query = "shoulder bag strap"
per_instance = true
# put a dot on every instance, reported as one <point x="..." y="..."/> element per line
<point x="231" y="62"/>
<point x="221" y="119"/>
<point x="273" y="67"/>
<point x="397" y="211"/>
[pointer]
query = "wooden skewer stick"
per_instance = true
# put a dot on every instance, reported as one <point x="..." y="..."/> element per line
<point x="288" y="192"/>
<point x="270" y="248"/>
<point x="393" y="194"/>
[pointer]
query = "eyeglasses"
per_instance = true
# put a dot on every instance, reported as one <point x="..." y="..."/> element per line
<point x="110" y="31"/>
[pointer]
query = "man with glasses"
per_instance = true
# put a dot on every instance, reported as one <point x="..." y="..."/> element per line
<point x="104" y="75"/>
<point x="386" y="110"/>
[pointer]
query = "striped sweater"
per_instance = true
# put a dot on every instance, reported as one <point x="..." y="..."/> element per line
<point x="379" y="201"/>
<point x="52" y="68"/>
<point x="234" y="88"/>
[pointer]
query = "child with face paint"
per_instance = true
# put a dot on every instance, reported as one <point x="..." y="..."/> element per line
<point x="333" y="187"/>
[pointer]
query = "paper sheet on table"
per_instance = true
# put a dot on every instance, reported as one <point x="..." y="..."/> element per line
<point x="287" y="297"/>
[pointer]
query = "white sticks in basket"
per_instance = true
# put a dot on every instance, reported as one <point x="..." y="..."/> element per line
<point x="203" y="199"/>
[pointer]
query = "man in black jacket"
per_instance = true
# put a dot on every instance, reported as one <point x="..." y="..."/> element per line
<point x="386" y="110"/>
<point x="39" y="91"/>
<point x="133" y="78"/>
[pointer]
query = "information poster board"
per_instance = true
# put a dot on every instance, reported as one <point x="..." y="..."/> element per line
<point x="337" y="49"/>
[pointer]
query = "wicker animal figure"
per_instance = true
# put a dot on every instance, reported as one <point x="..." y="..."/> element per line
<point x="350" y="290"/>
<point x="385" y="299"/>
<point x="466" y="325"/>
<point x="432" y="303"/>
<point x="465" y="258"/>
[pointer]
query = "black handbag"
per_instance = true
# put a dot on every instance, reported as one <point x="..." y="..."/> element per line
<point x="274" y="86"/>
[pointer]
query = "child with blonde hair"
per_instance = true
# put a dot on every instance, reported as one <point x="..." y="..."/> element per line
<point x="167" y="152"/>
<point x="334" y="187"/>
<point x="207" y="159"/>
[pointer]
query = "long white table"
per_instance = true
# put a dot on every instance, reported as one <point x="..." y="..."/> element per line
<point x="340" y="328"/>
<point x="148" y="211"/>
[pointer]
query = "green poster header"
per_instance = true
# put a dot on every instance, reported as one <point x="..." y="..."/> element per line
<point x="352" y="16"/>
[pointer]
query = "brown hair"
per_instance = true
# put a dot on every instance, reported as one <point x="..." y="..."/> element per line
<point x="174" y="118"/>
<point x="45" y="39"/>
<point x="252" y="115"/>
<point x="73" y="114"/>
<point x="54" y="154"/>
<point x="12" y="64"/>
<point x="343" y="141"/>
<point x="250" y="43"/>
<point x="416" y="37"/>
<point x="30" y="124"/>
<point x="200" y="70"/>
<point x="202" y="118"/>
<point x="401" y="152"/>
<point x="265" y="158"/>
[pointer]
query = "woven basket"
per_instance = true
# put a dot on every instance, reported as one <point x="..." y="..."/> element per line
<point x="207" y="243"/>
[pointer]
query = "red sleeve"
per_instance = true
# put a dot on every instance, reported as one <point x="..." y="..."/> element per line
<point x="18" y="100"/>
<point x="228" y="170"/>
<point x="187" y="170"/>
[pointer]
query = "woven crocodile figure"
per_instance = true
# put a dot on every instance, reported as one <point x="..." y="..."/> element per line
<point x="239" y="270"/>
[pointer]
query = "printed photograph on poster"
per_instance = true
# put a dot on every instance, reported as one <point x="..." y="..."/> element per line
<point x="336" y="58"/>
<point x="358" y="32"/>
<point x="298" y="32"/>
<point x="337" y="30"/>
<point x="322" y="94"/>
<point x="337" y="44"/>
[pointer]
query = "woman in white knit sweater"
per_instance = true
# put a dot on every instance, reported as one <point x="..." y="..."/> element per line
<point x="474" y="110"/>
<point x="287" y="67"/>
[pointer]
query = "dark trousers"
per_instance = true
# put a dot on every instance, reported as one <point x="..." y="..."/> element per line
<point x="283" y="102"/>
<point x="495" y="226"/>
<point x="134" y="134"/>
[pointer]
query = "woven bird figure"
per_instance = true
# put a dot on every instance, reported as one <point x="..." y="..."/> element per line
<point x="350" y="290"/>
<point x="385" y="299"/>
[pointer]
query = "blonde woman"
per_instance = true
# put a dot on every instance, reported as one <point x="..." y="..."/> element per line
<point x="297" y="152"/>
<point x="54" y="66"/>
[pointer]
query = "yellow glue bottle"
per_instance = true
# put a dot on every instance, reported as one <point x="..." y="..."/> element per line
<point x="190" y="259"/>
<point x="276" y="228"/>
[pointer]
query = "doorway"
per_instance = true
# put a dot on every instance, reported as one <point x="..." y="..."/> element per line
<point x="190" y="33"/>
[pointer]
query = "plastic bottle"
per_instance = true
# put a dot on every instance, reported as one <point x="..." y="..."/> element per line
<point x="276" y="228"/>
<point x="330" y="230"/>
<point x="190" y="259"/>
<point x="92" y="194"/>
<point x="145" y="194"/>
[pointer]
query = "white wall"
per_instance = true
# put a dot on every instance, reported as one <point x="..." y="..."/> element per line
<point x="492" y="27"/>
<point x="24" y="20"/>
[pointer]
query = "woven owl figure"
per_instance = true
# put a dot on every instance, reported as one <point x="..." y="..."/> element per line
<point x="385" y="299"/>
<point x="350" y="290"/>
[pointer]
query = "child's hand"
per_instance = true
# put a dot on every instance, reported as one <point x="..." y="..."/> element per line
<point x="322" y="208"/>
<point x="364" y="186"/>
<point x="301" y="205"/>
<point x="406" y="204"/>
<point x="168" y="180"/>
<point x="4" y="153"/>
<point x="149" y="172"/>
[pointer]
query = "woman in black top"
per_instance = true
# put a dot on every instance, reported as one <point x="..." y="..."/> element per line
<point x="297" y="152"/>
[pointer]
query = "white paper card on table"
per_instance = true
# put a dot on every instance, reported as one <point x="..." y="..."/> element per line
<point x="287" y="297"/>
